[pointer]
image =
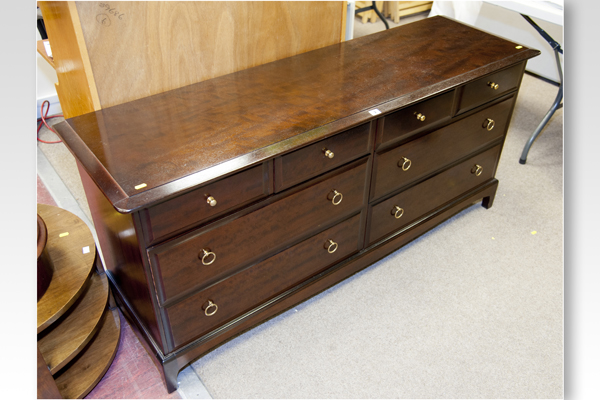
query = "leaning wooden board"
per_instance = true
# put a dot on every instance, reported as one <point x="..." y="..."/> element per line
<point x="422" y="109"/>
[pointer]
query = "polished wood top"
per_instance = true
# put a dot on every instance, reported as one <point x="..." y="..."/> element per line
<point x="176" y="140"/>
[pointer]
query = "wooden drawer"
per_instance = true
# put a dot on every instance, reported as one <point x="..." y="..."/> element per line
<point x="177" y="265"/>
<point x="403" y="123"/>
<point x="386" y="218"/>
<point x="192" y="208"/>
<point x="480" y="91"/>
<point x="261" y="282"/>
<point x="311" y="160"/>
<point x="439" y="148"/>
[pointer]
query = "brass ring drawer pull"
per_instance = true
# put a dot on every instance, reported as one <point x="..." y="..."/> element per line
<point x="477" y="169"/>
<point x="420" y="117"/>
<point x="211" y="305"/>
<point x="404" y="165"/>
<point x="207" y="253"/>
<point x="211" y="201"/>
<point x="335" y="195"/>
<point x="328" y="153"/>
<point x="493" y="85"/>
<point x="332" y="247"/>
<point x="489" y="124"/>
<point x="397" y="212"/>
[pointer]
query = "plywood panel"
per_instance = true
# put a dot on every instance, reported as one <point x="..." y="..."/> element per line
<point x="75" y="88"/>
<point x="138" y="49"/>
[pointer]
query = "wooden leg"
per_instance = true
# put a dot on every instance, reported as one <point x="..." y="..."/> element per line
<point x="170" y="372"/>
<point x="488" y="201"/>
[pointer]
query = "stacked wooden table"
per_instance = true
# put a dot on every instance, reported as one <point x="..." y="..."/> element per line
<point x="78" y="334"/>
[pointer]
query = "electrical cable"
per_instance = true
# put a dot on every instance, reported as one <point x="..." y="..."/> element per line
<point x="43" y="122"/>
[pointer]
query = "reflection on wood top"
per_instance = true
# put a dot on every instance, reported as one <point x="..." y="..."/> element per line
<point x="185" y="137"/>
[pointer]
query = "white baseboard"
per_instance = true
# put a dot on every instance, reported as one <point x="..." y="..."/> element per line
<point x="54" y="106"/>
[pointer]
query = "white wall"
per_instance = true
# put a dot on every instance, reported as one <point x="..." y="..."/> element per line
<point x="45" y="80"/>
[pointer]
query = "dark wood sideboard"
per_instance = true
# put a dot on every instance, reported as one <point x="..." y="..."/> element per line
<point x="221" y="204"/>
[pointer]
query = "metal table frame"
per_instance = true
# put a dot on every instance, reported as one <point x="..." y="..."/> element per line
<point x="557" y="102"/>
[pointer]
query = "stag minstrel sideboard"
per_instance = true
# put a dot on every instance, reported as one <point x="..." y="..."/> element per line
<point x="221" y="204"/>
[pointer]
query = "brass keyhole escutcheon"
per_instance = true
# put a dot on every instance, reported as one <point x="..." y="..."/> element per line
<point x="397" y="212"/>
<point x="213" y="306"/>
<point x="337" y="195"/>
<point x="420" y="117"/>
<point x="331" y="246"/>
<point x="211" y="201"/>
<point x="328" y="153"/>
<point x="489" y="124"/>
<point x="405" y="165"/>
<point x="206" y="256"/>
<point x="477" y="169"/>
<point x="493" y="85"/>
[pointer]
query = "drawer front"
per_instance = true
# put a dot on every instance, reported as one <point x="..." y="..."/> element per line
<point x="182" y="265"/>
<point x="431" y="152"/>
<point x="483" y="90"/>
<point x="405" y="122"/>
<point x="402" y="209"/>
<point x="194" y="207"/>
<point x="261" y="282"/>
<point x="321" y="157"/>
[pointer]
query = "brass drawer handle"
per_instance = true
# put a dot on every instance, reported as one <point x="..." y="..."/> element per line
<point x="332" y="247"/>
<point x="477" y="169"/>
<point x="405" y="165"/>
<point x="207" y="253"/>
<point x="328" y="153"/>
<point x="493" y="85"/>
<point x="489" y="124"/>
<point x="420" y="117"/>
<point x="211" y="304"/>
<point x="336" y="194"/>
<point x="397" y="212"/>
<point x="211" y="200"/>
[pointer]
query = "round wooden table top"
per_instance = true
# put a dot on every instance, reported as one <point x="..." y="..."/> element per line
<point x="71" y="248"/>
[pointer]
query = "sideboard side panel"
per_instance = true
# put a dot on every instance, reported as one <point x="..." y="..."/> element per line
<point x="119" y="243"/>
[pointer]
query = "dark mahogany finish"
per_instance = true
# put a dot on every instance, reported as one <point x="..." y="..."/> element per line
<point x="413" y="119"/>
<point x="178" y="263"/>
<point x="481" y="90"/>
<point x="312" y="160"/>
<point x="432" y="192"/>
<point x="256" y="141"/>
<point x="431" y="152"/>
<point x="262" y="282"/>
<point x="189" y="136"/>
<point x="194" y="207"/>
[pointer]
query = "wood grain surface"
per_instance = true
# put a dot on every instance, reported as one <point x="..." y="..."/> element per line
<point x="449" y="143"/>
<point x="122" y="254"/>
<point x="175" y="140"/>
<point x="249" y="288"/>
<point x="427" y="195"/>
<point x="60" y="343"/>
<point x="177" y="264"/>
<point x="72" y="266"/>
<point x="138" y="49"/>
<point x="76" y="87"/>
<point x="90" y="366"/>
